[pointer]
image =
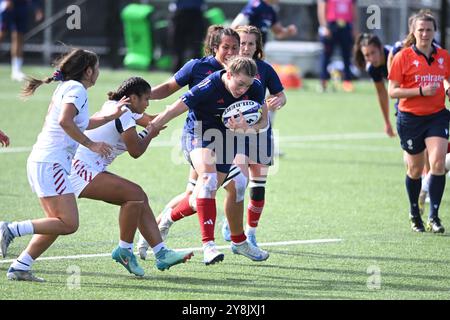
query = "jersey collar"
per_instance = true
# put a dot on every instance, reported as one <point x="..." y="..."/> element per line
<point x="420" y="53"/>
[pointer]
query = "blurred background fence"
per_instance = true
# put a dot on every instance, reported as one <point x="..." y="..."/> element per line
<point x="101" y="27"/>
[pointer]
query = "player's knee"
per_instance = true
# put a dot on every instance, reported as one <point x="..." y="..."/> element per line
<point x="414" y="172"/>
<point x="70" y="227"/>
<point x="438" y="166"/>
<point x="209" y="185"/>
<point x="190" y="186"/>
<point x="193" y="202"/>
<point x="240" y="184"/>
<point x="257" y="193"/>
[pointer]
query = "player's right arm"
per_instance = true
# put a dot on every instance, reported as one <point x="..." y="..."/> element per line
<point x="136" y="146"/>
<point x="65" y="120"/>
<point x="383" y="100"/>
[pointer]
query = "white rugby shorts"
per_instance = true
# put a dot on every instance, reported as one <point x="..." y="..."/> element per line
<point x="48" y="179"/>
<point x="81" y="175"/>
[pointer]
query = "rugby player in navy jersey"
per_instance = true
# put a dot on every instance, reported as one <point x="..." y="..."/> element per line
<point x="206" y="143"/>
<point x="221" y="44"/>
<point x="371" y="55"/>
<point x="251" y="46"/>
<point x="261" y="14"/>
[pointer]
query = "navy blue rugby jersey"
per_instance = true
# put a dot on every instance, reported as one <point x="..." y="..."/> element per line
<point x="260" y="15"/>
<point x="196" y="70"/>
<point x="268" y="77"/>
<point x="208" y="100"/>
<point x="381" y="72"/>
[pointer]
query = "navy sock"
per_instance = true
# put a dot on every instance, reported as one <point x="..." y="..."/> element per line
<point x="413" y="187"/>
<point x="437" y="186"/>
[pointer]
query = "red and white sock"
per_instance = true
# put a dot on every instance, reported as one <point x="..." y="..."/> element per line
<point x="206" y="210"/>
<point x="240" y="239"/>
<point x="254" y="211"/>
<point x="182" y="210"/>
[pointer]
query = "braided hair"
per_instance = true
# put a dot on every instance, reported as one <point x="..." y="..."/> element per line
<point x="133" y="85"/>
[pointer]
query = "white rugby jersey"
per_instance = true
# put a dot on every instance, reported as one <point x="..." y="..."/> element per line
<point x="109" y="133"/>
<point x="53" y="144"/>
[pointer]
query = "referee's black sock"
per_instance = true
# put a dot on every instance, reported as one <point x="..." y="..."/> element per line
<point x="436" y="190"/>
<point x="413" y="187"/>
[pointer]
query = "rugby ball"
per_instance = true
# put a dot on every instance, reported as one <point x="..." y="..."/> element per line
<point x="251" y="110"/>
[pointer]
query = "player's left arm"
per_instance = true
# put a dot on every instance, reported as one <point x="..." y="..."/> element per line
<point x="136" y="143"/>
<point x="284" y="32"/>
<point x="100" y="118"/>
<point x="264" y="121"/>
<point x="170" y="113"/>
<point x="276" y="101"/>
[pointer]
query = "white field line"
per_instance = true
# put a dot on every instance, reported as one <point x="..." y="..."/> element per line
<point x="267" y="244"/>
<point x="334" y="146"/>
<point x="283" y="140"/>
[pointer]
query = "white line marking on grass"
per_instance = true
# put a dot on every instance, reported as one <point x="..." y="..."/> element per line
<point x="337" y="136"/>
<point x="267" y="244"/>
<point x="340" y="147"/>
<point x="15" y="150"/>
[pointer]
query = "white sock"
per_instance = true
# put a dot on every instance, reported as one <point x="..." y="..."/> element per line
<point x="126" y="245"/>
<point x="23" y="262"/>
<point x="21" y="228"/>
<point x="425" y="183"/>
<point x="159" y="247"/>
<point x="16" y="64"/>
<point x="250" y="230"/>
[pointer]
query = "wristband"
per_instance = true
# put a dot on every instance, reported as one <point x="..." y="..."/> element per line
<point x="143" y="134"/>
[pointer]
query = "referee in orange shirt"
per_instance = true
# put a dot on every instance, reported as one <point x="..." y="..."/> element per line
<point x="420" y="78"/>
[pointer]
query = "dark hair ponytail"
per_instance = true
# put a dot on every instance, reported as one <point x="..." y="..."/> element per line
<point x="214" y="38"/>
<point x="363" y="40"/>
<point x="70" y="66"/>
<point x="133" y="85"/>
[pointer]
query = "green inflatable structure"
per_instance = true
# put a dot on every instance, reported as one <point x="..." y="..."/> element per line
<point x="138" y="36"/>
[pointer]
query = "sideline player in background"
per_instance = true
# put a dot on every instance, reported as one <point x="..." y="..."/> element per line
<point x="186" y="30"/>
<point x="261" y="14"/>
<point x="14" y="19"/>
<point x="371" y="55"/>
<point x="338" y="21"/>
